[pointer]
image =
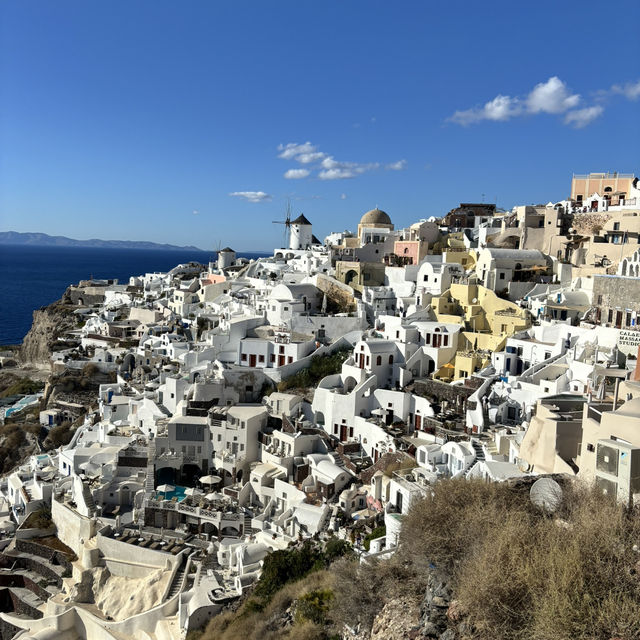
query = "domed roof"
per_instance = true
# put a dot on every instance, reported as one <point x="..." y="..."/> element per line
<point x="375" y="216"/>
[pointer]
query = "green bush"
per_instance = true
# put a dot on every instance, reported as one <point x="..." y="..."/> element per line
<point x="378" y="532"/>
<point x="24" y="386"/>
<point x="287" y="565"/>
<point x="319" y="367"/>
<point x="314" y="606"/>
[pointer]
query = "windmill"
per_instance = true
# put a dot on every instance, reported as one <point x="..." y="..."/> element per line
<point x="217" y="251"/>
<point x="287" y="224"/>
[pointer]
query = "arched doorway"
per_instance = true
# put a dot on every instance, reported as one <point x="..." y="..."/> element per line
<point x="190" y="474"/>
<point x="166" y="475"/>
<point x="349" y="384"/>
<point x="350" y="276"/>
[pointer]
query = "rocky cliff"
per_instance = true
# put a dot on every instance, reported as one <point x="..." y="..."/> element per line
<point x="49" y="324"/>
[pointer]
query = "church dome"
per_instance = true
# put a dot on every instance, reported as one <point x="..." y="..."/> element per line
<point x="375" y="216"/>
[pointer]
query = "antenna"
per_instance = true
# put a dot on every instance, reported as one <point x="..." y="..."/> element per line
<point x="287" y="224"/>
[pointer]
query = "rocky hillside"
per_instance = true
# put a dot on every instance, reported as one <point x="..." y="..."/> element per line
<point x="49" y="324"/>
<point x="476" y="561"/>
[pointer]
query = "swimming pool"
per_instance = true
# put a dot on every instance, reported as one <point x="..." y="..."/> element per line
<point x="178" y="492"/>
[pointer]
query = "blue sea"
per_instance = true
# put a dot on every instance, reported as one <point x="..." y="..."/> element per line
<point x="33" y="277"/>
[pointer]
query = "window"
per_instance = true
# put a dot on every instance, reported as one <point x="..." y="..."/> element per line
<point x="272" y="357"/>
<point x="426" y="278"/>
<point x="390" y="359"/>
<point x="501" y="276"/>
<point x="445" y="341"/>
<point x="379" y="361"/>
<point x="590" y="447"/>
<point x="243" y="357"/>
<point x="261" y="358"/>
<point x="616" y="226"/>
<point x="600" y="299"/>
<point x="290" y="359"/>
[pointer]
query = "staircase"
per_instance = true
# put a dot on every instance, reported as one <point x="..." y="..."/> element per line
<point x="88" y="500"/>
<point x="176" y="584"/>
<point x="149" y="484"/>
<point x="477" y="447"/>
<point x="247" y="529"/>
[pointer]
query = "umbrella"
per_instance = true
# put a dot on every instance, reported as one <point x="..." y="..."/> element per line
<point x="212" y="496"/>
<point x="165" y="488"/>
<point x="210" y="479"/>
<point x="192" y="491"/>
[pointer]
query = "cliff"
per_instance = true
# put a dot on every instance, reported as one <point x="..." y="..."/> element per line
<point x="49" y="324"/>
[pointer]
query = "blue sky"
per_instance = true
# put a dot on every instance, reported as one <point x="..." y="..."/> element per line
<point x="137" y="120"/>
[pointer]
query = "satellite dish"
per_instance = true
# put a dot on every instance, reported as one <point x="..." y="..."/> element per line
<point x="546" y="494"/>
<point x="474" y="301"/>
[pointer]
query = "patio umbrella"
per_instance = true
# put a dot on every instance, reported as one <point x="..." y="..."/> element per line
<point x="192" y="491"/>
<point x="210" y="479"/>
<point x="165" y="488"/>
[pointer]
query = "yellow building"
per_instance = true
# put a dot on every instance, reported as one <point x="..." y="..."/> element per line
<point x="488" y="320"/>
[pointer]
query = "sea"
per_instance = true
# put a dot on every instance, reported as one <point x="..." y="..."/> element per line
<point x="32" y="277"/>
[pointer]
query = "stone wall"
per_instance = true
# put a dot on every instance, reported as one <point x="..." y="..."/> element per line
<point x="53" y="556"/>
<point x="617" y="293"/>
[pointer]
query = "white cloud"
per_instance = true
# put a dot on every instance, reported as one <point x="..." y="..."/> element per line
<point x="195" y="212"/>
<point x="630" y="90"/>
<point x="336" y="174"/>
<point x="401" y="165"/>
<point x="326" y="166"/>
<point x="343" y="196"/>
<point x="293" y="149"/>
<point x="582" y="117"/>
<point x="296" y="174"/>
<point x="308" y="158"/>
<point x="500" y="108"/>
<point x="551" y="96"/>
<point x="252" y="196"/>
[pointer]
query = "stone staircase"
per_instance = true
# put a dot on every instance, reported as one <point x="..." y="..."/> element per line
<point x="88" y="500"/>
<point x="246" y="527"/>
<point x="477" y="447"/>
<point x="149" y="483"/>
<point x="176" y="583"/>
<point x="480" y="456"/>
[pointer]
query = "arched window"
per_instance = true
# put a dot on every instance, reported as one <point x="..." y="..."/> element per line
<point x="390" y="359"/>
<point x="379" y="360"/>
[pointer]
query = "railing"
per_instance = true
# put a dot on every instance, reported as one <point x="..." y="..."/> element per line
<point x="602" y="176"/>
<point x="594" y="414"/>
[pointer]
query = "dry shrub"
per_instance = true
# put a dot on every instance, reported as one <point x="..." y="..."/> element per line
<point x="248" y="623"/>
<point x="362" y="589"/>
<point x="519" y="573"/>
<point x="444" y="528"/>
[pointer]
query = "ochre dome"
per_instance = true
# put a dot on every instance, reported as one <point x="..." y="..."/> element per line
<point x="375" y="216"/>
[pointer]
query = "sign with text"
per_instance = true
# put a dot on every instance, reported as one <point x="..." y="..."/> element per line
<point x="628" y="342"/>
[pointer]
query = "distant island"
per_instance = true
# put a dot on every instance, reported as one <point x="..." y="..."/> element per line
<point x="44" y="240"/>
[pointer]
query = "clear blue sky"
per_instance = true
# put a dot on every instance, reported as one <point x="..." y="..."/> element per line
<point x="119" y="120"/>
